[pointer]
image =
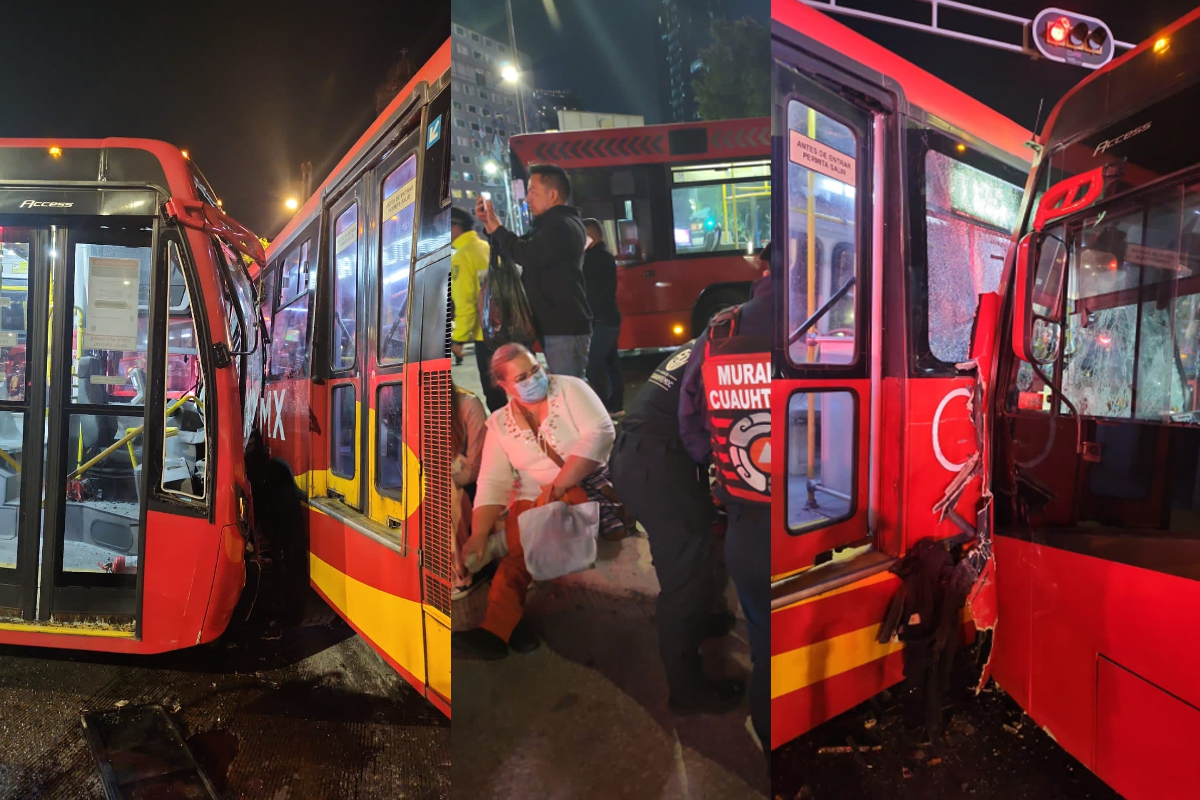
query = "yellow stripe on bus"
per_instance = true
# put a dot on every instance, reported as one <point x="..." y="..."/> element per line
<point x="804" y="666"/>
<point x="870" y="580"/>
<point x="392" y="623"/>
<point x="68" y="631"/>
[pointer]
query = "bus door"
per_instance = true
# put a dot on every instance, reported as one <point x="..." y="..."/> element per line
<point x="830" y="586"/>
<point x="73" y="490"/>
<point x="347" y="253"/>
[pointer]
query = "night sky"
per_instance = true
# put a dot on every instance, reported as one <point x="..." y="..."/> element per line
<point x="605" y="51"/>
<point x="249" y="89"/>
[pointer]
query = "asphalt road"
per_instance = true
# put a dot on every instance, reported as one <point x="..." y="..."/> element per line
<point x="313" y="714"/>
<point x="990" y="751"/>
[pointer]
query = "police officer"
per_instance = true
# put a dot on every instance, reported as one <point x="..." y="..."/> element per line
<point x="663" y="487"/>
<point x="725" y="419"/>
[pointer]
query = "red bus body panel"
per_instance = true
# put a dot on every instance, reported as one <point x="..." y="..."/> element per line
<point x="825" y="657"/>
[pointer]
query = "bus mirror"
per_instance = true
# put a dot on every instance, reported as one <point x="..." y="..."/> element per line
<point x="1037" y="332"/>
<point x="1067" y="197"/>
<point x="1022" y="329"/>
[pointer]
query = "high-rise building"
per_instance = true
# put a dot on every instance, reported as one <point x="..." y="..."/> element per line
<point x="684" y="30"/>
<point x="548" y="102"/>
<point x="483" y="115"/>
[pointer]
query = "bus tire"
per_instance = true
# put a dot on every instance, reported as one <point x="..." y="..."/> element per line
<point x="710" y="303"/>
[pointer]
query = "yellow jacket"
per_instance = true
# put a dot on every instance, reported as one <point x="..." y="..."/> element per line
<point x="468" y="265"/>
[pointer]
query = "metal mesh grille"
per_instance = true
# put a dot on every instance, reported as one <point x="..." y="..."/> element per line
<point x="436" y="457"/>
<point x="449" y="317"/>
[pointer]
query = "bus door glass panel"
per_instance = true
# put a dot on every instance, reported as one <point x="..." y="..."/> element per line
<point x="289" y="325"/>
<point x="398" y="195"/>
<point x="185" y="434"/>
<point x="108" y="294"/>
<point x="721" y="208"/>
<point x="344" y="424"/>
<point x="827" y="201"/>
<point x="398" y="205"/>
<point x="15" y="246"/>
<point x="823" y="178"/>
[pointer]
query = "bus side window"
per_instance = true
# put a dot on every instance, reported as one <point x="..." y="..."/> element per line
<point x="289" y="326"/>
<point x="721" y="207"/>
<point x="620" y="198"/>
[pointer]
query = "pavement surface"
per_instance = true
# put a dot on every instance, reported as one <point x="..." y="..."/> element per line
<point x="313" y="714"/>
<point x="585" y="715"/>
<point x="990" y="751"/>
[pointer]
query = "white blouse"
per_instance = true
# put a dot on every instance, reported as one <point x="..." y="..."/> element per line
<point x="514" y="466"/>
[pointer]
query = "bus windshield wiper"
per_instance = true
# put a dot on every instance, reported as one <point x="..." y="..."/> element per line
<point x="824" y="309"/>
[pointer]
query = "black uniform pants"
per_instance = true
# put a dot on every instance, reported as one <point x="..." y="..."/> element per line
<point x="748" y="557"/>
<point x="658" y="482"/>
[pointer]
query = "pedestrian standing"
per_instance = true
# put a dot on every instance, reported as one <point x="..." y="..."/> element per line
<point x="730" y="426"/>
<point x="551" y="259"/>
<point x="468" y="268"/>
<point x="600" y="280"/>
<point x="669" y="494"/>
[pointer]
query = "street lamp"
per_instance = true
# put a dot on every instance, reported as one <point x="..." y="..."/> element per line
<point x="490" y="168"/>
<point x="510" y="73"/>
<point x="292" y="204"/>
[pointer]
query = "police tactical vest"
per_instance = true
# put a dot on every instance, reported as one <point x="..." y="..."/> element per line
<point x="737" y="391"/>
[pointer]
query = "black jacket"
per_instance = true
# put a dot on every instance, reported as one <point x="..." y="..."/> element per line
<point x="600" y="275"/>
<point x="551" y="259"/>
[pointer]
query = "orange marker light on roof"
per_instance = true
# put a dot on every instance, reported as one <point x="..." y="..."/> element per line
<point x="56" y="151"/>
<point x="1162" y="45"/>
<point x="184" y="153"/>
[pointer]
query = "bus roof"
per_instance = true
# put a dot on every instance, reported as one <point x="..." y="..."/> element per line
<point x="433" y="69"/>
<point x="1129" y="83"/>
<point x="647" y="144"/>
<point x="853" y="51"/>
<point x="112" y="159"/>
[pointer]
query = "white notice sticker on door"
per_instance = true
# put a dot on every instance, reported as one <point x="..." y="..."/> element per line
<point x="112" y="304"/>
<point x="400" y="199"/>
<point x="811" y="154"/>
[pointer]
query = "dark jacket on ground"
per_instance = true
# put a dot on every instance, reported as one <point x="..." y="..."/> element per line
<point x="551" y="259"/>
<point x="600" y="275"/>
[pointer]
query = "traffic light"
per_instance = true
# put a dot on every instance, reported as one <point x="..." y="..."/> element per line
<point x="1072" y="38"/>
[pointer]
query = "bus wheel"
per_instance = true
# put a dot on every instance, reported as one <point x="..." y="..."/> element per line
<point x="710" y="304"/>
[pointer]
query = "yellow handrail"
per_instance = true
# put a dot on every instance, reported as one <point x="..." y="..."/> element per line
<point x="126" y="439"/>
<point x="10" y="461"/>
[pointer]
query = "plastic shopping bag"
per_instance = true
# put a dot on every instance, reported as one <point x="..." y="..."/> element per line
<point x="559" y="539"/>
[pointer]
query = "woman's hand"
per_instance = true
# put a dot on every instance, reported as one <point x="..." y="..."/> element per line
<point x="550" y="493"/>
<point x="473" y="550"/>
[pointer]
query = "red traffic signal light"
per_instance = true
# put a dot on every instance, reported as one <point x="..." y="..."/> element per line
<point x="1072" y="38"/>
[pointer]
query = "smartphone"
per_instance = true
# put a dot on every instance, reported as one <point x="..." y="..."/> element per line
<point x="486" y="195"/>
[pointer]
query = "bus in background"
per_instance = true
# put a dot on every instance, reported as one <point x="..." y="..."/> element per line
<point x="357" y="394"/>
<point x="121" y="274"/>
<point x="1095" y="444"/>
<point x="896" y="199"/>
<point x="685" y="209"/>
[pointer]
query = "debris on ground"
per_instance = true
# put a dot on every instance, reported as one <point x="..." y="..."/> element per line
<point x="933" y="762"/>
<point x="871" y="723"/>
<point x="862" y="748"/>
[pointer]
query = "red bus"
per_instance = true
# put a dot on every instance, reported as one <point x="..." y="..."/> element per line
<point x="121" y="274"/>
<point x="357" y="394"/>
<point x="1094" y="448"/>
<point x="896" y="199"/>
<point x="685" y="209"/>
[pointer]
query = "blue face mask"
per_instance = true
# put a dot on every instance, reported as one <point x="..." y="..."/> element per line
<point x="533" y="389"/>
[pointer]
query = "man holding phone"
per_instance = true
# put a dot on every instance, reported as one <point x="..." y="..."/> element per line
<point x="551" y="260"/>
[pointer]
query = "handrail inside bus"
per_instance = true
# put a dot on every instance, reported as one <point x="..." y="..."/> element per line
<point x="126" y="439"/>
<point x="824" y="309"/>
